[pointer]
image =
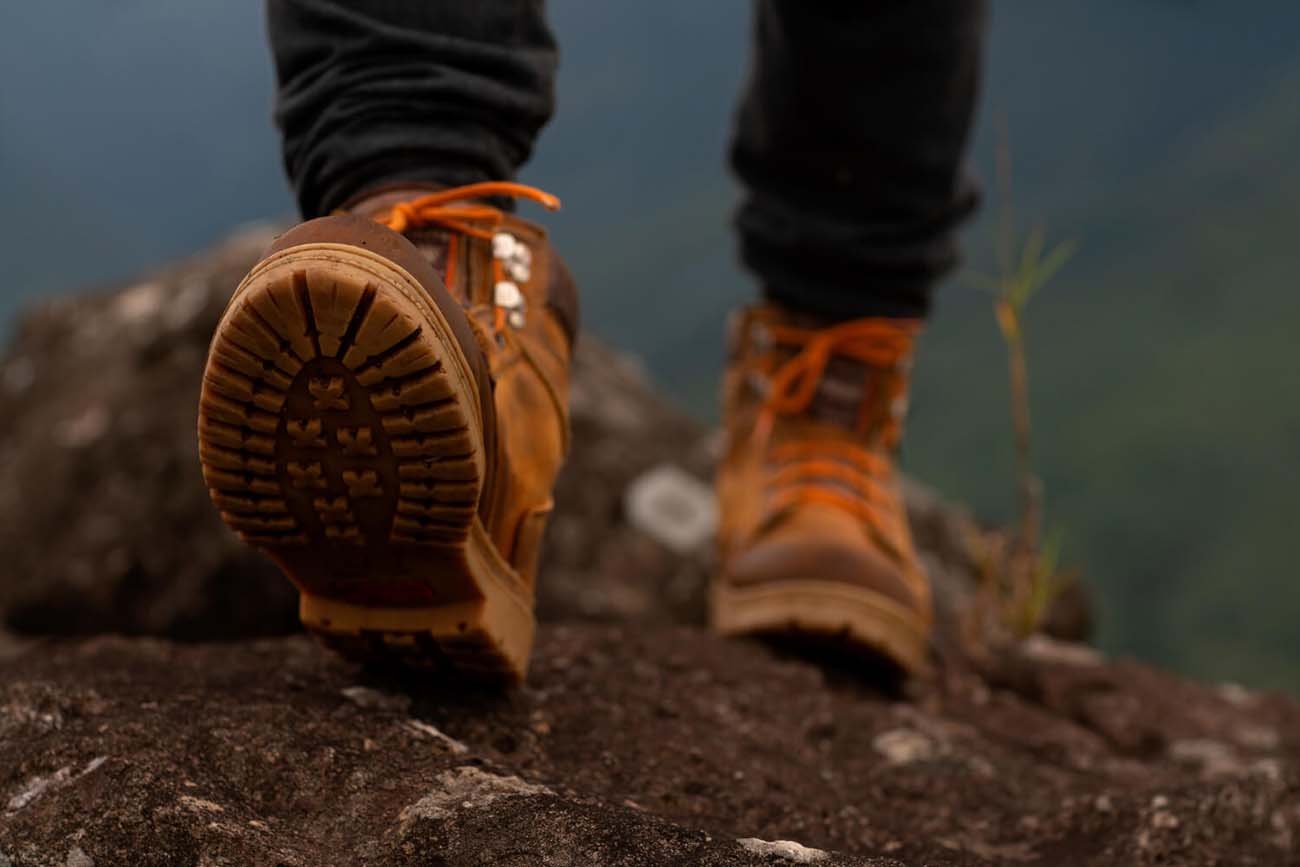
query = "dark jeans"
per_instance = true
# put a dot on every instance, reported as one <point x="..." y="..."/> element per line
<point x="850" y="137"/>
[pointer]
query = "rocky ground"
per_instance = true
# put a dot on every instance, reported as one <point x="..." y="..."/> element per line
<point x="205" y="732"/>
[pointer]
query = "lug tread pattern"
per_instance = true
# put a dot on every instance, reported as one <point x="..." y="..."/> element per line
<point x="331" y="433"/>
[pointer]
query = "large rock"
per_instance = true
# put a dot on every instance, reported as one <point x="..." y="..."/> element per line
<point x="105" y="524"/>
<point x="646" y="745"/>
<point x="638" y="739"/>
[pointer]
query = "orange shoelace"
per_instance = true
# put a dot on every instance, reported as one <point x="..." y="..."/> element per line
<point x="458" y="211"/>
<point x="446" y="209"/>
<point x="826" y="470"/>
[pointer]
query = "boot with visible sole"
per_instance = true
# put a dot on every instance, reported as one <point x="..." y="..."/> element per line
<point x="384" y="415"/>
<point x="813" y="533"/>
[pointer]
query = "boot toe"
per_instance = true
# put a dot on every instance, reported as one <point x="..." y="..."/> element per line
<point x="812" y="576"/>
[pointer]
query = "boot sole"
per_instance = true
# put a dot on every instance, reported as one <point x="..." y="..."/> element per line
<point x="825" y="609"/>
<point x="340" y="433"/>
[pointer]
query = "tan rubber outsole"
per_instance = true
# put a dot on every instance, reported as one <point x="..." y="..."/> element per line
<point x="824" y="608"/>
<point x="340" y="432"/>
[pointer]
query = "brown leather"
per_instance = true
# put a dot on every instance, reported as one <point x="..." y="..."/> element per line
<point x="530" y="366"/>
<point x="767" y="537"/>
<point x="819" y="541"/>
<point x="525" y="369"/>
<point x="562" y="298"/>
<point x="561" y="292"/>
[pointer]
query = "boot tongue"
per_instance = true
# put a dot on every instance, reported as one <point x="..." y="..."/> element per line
<point x="841" y="393"/>
<point x="432" y="243"/>
<point x="845" y="385"/>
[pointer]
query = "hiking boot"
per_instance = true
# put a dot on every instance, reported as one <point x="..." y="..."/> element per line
<point x="384" y="414"/>
<point x="813" y="535"/>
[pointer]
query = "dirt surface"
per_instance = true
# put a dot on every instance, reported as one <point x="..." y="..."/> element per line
<point x="639" y="739"/>
<point x="629" y="745"/>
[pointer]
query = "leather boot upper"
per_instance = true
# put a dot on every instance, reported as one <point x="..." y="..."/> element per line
<point x="807" y="487"/>
<point x="521" y="304"/>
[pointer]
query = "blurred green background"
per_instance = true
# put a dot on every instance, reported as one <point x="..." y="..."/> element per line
<point x="1164" y="136"/>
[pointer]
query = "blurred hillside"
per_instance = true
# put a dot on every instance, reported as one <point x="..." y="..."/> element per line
<point x="1165" y="384"/>
<point x="1160" y="134"/>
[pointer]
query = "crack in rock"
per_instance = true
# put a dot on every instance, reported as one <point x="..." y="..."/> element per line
<point x="422" y="728"/>
<point x="38" y="786"/>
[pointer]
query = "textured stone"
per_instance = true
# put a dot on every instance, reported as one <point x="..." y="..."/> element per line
<point x="639" y="739"/>
<point x="628" y="745"/>
<point x="98" y="451"/>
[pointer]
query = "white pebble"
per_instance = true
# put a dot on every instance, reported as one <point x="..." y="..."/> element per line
<point x="673" y="507"/>
<point x="787" y="849"/>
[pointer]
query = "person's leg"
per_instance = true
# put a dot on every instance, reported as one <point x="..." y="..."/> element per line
<point x="850" y="142"/>
<point x="384" y="92"/>
<point x="364" y="419"/>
